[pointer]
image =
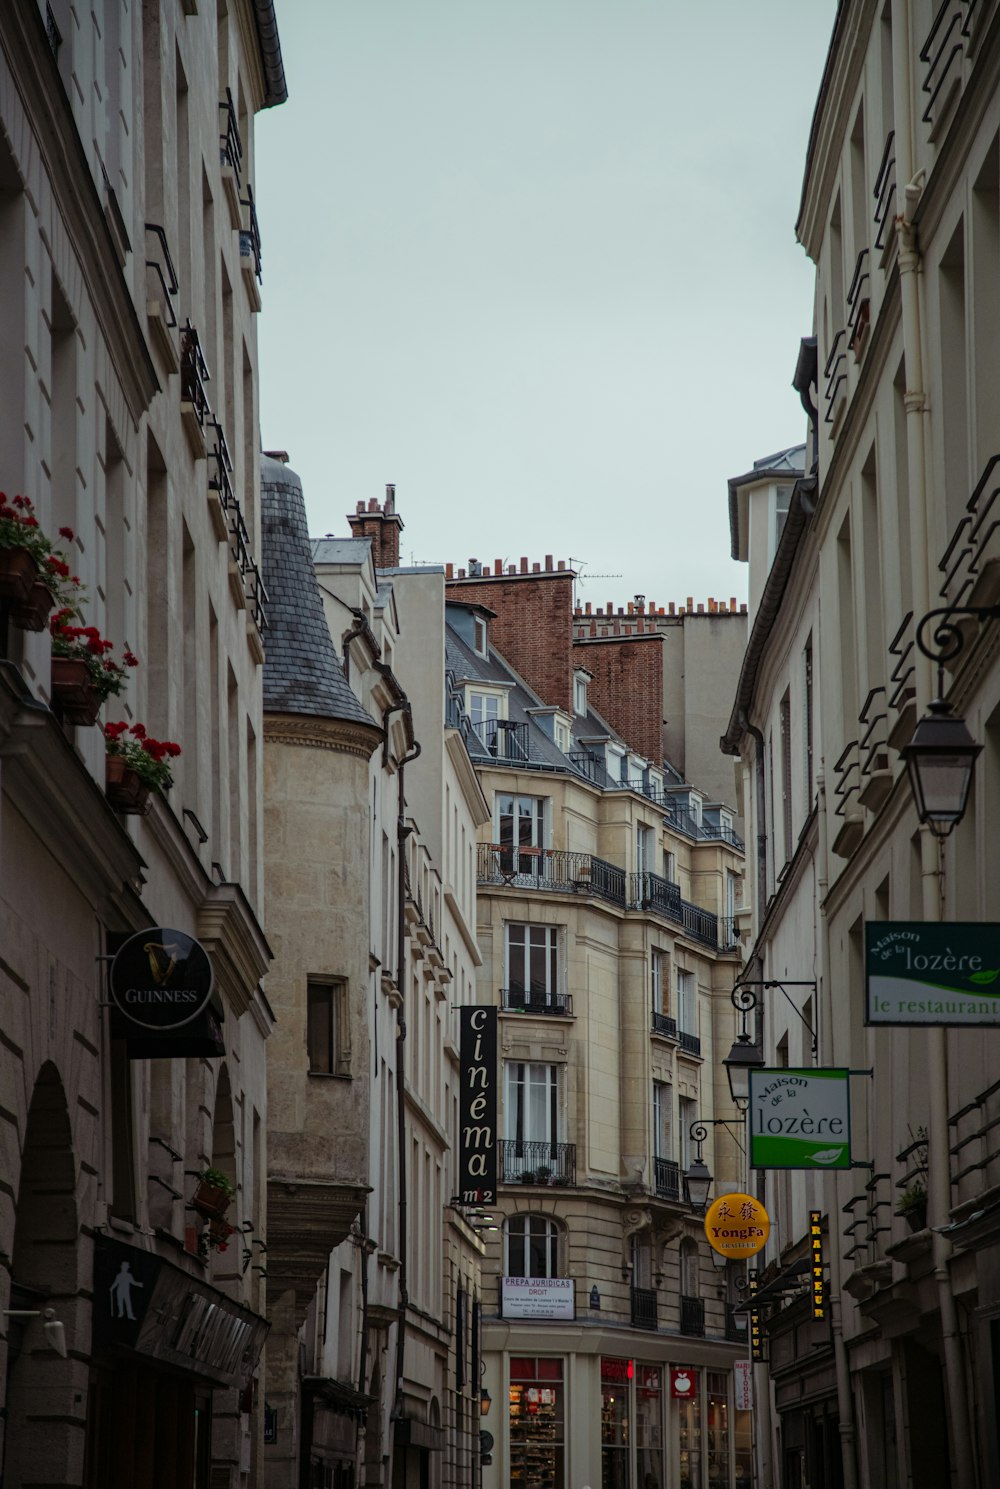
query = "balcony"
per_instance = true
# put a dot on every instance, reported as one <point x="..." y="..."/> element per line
<point x="527" y="1000"/>
<point x="231" y="156"/>
<point x="643" y="1308"/>
<point x="942" y="55"/>
<point x="663" y="1024"/>
<point x="526" y="1162"/>
<point x="661" y="897"/>
<point x="884" y="193"/>
<point x="689" y="1043"/>
<point x="859" y="306"/>
<point x="501" y="739"/>
<point x="667" y="1177"/>
<point x="548" y="868"/>
<point x="835" y="386"/>
<point x="692" y="1316"/>
<point x="195" y="409"/>
<point x="161" y="289"/>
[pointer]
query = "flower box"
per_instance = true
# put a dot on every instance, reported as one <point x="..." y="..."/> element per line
<point x="211" y="1200"/>
<point x="123" y="787"/>
<point x="32" y="614"/>
<point x="73" y="691"/>
<point x="18" y="572"/>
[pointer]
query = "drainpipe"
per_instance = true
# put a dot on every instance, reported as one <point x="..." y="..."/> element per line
<point x="761" y="813"/>
<point x="845" y="1396"/>
<point x="402" y="833"/>
<point x="917" y="437"/>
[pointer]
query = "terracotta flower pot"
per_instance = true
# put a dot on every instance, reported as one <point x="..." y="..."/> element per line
<point x="73" y="692"/>
<point x="18" y="572"/>
<point x="211" y="1201"/>
<point x="124" y="788"/>
<point x="33" y="613"/>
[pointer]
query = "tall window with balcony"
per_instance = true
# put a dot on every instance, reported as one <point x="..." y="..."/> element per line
<point x="645" y="851"/>
<point x="532" y="969"/>
<point x="520" y="832"/>
<point x="687" y="1112"/>
<point x="692" y="1304"/>
<point x="484" y="712"/>
<point x="532" y="1150"/>
<point x="532" y="1246"/>
<point x="687" y="1012"/>
<point x="666" y="1171"/>
<point x="659" y="990"/>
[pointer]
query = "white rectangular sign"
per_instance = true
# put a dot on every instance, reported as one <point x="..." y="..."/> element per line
<point x="742" y="1392"/>
<point x="537" y="1297"/>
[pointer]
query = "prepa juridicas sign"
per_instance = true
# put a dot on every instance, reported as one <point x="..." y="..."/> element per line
<point x="477" y="1106"/>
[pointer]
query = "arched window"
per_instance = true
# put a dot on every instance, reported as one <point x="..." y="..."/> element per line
<point x="689" y="1269"/>
<point x="532" y="1247"/>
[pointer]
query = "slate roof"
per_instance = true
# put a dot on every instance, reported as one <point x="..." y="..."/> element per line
<point x="302" y="673"/>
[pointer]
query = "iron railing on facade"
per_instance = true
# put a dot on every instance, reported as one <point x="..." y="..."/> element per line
<point x="529" y="1000"/>
<point x="667" y="1177"/>
<point x="662" y="897"/>
<point x="644" y="1308"/>
<point x="692" y="1315"/>
<point x="662" y="1023"/>
<point x="503" y="739"/>
<point x="250" y="236"/>
<point x="689" y="1043"/>
<point x="163" y="268"/>
<point x="884" y="193"/>
<point x="230" y="142"/>
<point x="194" y="374"/>
<point x="550" y="868"/>
<point x="525" y="1161"/>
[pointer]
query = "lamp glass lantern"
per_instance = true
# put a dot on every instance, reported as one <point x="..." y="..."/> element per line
<point x="697" y="1182"/>
<point x="940" y="759"/>
<point x="742" y="1058"/>
<point x="485" y="1402"/>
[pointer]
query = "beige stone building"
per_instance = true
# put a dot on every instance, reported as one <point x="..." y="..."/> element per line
<point x="131" y="1324"/>
<point x="609" y="1336"/>
<point x="373" y="807"/>
<point x="892" y="520"/>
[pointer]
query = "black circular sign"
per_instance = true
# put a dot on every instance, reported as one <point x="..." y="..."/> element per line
<point x="161" y="978"/>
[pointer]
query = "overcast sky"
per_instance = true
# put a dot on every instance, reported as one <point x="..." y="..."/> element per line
<point x="535" y="262"/>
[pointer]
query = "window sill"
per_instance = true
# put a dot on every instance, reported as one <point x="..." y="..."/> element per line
<point x="329" y="1075"/>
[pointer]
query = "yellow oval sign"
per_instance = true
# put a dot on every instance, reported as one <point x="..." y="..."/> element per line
<point x="737" y="1225"/>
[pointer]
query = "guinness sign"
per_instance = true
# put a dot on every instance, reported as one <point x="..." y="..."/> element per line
<point x="161" y="979"/>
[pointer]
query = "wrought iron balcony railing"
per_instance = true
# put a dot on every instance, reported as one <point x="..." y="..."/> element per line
<point x="250" y="236"/>
<point x="230" y="142"/>
<point x="643" y="1308"/>
<point x="662" y="1023"/>
<point x="692" y="1316"/>
<point x="162" y="266"/>
<point x="690" y="1043"/>
<point x="549" y="868"/>
<point x="533" y="1000"/>
<point x="523" y="1161"/>
<point x="503" y="739"/>
<point x="194" y="374"/>
<point x="667" y="1178"/>
<point x="651" y="892"/>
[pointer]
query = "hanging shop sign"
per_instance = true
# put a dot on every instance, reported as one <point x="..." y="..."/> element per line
<point x="816" y="1264"/>
<point x="921" y="972"/>
<point x="537" y="1297"/>
<point x="161" y="979"/>
<point x="800" y="1118"/>
<point x="737" y="1225"/>
<point x="683" y="1383"/>
<point x="742" y="1387"/>
<point x="477" y="1106"/>
<point x="757" y="1351"/>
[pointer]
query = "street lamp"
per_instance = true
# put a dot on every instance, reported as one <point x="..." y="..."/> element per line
<point x="745" y="1055"/>
<point x="697" y="1177"/>
<point x="940" y="759"/>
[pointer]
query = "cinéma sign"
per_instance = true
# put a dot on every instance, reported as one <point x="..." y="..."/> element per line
<point x="800" y="1118"/>
<point x="477" y="1106"/>
<point x="921" y="972"/>
<point x="537" y="1297"/>
<point x="161" y="978"/>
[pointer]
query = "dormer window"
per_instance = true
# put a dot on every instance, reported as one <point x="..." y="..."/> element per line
<point x="781" y="501"/>
<point x="479" y="636"/>
<point x="580" y="681"/>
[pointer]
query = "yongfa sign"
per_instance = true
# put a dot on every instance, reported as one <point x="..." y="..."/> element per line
<point x="477" y="1106"/>
<point x="161" y="979"/>
<point x="931" y="973"/>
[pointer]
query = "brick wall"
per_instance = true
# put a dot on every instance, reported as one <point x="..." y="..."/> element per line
<point x="383" y="525"/>
<point x="534" y="621"/>
<point x="627" y="687"/>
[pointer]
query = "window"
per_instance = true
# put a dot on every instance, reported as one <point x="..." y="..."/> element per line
<point x="520" y="828"/>
<point x="689" y="1268"/>
<point x="645" y="851"/>
<point x="686" y="1114"/>
<point x="687" y="1008"/>
<point x="326" y="1028"/>
<point x="537" y="1422"/>
<point x="785" y="715"/>
<point x="670" y="865"/>
<point x="562" y="736"/>
<point x="484" y="712"/>
<point x="732" y="882"/>
<point x="532" y="1247"/>
<point x="479" y="635"/>
<point x="659" y="974"/>
<point x="661" y="1119"/>
<point x="807" y="722"/>
<point x="580" y="693"/>
<point x="531" y="1102"/>
<point x="532" y="965"/>
<point x="782" y="501"/>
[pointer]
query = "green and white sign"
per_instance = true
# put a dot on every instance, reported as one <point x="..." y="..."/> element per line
<point x="921" y="972"/>
<point x="800" y="1118"/>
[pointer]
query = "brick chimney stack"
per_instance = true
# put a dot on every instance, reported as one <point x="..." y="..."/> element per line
<point x="382" y="525"/>
<point x="533" y="619"/>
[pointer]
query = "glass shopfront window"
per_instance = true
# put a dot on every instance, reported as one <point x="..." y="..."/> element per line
<point x="717" y="1404"/>
<point x="616" y="1377"/>
<point x="537" y="1422"/>
<point x="689" y="1440"/>
<point x="649" y="1426"/>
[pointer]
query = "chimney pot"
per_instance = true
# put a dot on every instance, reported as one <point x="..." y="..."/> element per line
<point x="512" y="568"/>
<point x="536" y="568"/>
<point x="732" y="603"/>
<point x="449" y="571"/>
<point x="548" y="562"/>
<point x="560" y="565"/>
<point x="461" y="573"/>
<point x="390" y="497"/>
<point x="360" y="507"/>
<point x="498" y="566"/>
<point x="690" y="604"/>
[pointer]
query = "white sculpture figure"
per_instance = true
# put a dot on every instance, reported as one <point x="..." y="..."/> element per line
<point x="121" y="1292"/>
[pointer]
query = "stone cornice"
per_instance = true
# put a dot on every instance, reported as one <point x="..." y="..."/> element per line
<point x="233" y="938"/>
<point x="321" y="733"/>
<point x="52" y="135"/>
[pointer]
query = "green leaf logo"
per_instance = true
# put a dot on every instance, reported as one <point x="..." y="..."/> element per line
<point x="985" y="977"/>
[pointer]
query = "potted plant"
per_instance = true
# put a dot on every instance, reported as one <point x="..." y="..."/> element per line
<point x="214" y="1194"/>
<point x="83" y="673"/>
<point x="528" y="1176"/>
<point x="913" y="1207"/>
<point x="542" y="1174"/>
<point x="34" y="575"/>
<point x="136" y="765"/>
<point x="559" y="1181"/>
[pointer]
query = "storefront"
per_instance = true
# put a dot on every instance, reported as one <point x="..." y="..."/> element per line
<point x="163" y="1343"/>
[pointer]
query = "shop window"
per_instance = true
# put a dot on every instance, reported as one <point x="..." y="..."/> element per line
<point x="718" y="1429"/>
<point x="616" y="1376"/>
<point x="532" y="1247"/>
<point x="649" y="1426"/>
<point x="689" y="1438"/>
<point x="537" y="1423"/>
